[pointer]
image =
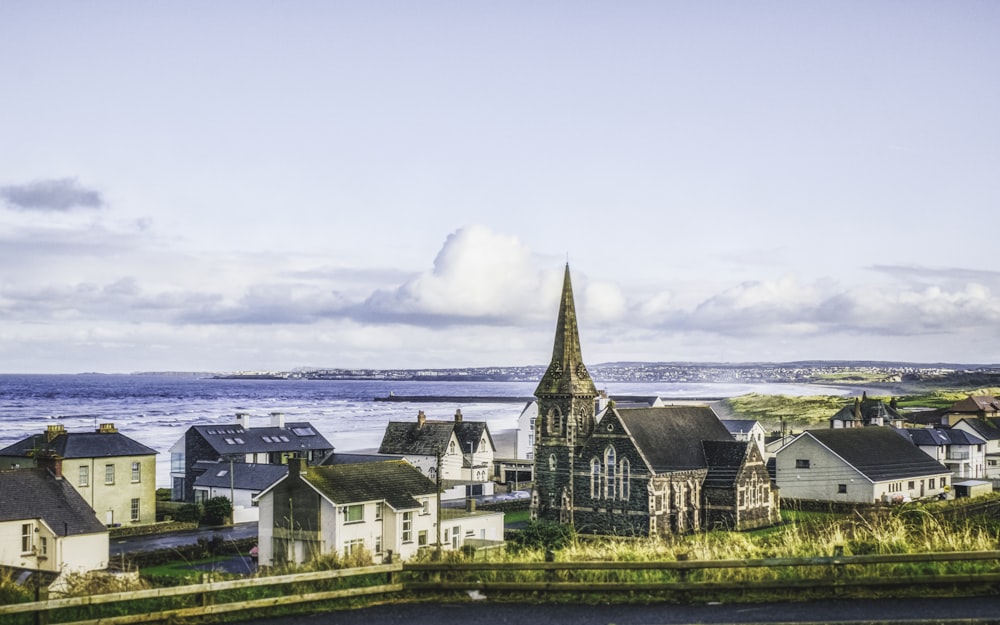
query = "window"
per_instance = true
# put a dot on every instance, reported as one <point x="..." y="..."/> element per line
<point x="84" y="476"/>
<point x="109" y="474"/>
<point x="407" y="527"/>
<point x="911" y="485"/>
<point x="425" y="509"/>
<point x="422" y="538"/>
<point x="355" y="545"/>
<point x="378" y="544"/>
<point x="43" y="546"/>
<point x="801" y="463"/>
<point x="354" y="513"/>
<point x="552" y="462"/>
<point x="624" y="490"/>
<point x="176" y="463"/>
<point x="378" y="511"/>
<point x="136" y="472"/>
<point x="135" y="509"/>
<point x="944" y="482"/>
<point x="26" y="531"/>
<point x="609" y="472"/>
<point x="930" y="483"/>
<point x="595" y="477"/>
<point x="841" y="488"/>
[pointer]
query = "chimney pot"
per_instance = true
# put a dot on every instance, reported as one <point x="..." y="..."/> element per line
<point x="421" y="419"/>
<point x="458" y="416"/>
<point x="243" y="418"/>
<point x="52" y="431"/>
<point x="277" y="419"/>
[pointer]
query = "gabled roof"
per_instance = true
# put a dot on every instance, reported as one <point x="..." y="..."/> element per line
<point x="739" y="426"/>
<point x="878" y="452"/>
<point x="397" y="482"/>
<point x="79" y="445"/>
<point x="725" y="459"/>
<point x="924" y="437"/>
<point x="986" y="429"/>
<point x="232" y="438"/>
<point x="867" y="410"/>
<point x="245" y="476"/>
<point x="428" y="438"/>
<point x="976" y="404"/>
<point x="38" y="494"/>
<point x="670" y="438"/>
<point x="342" y="458"/>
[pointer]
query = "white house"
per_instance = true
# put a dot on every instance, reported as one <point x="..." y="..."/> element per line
<point x="239" y="482"/>
<point x="462" y="451"/>
<point x="961" y="451"/>
<point x="46" y="525"/>
<point x="863" y="465"/>
<point x="988" y="429"/>
<point x="382" y="507"/>
<point x="749" y="430"/>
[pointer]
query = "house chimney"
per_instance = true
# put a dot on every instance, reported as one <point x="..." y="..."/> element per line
<point x="51" y="461"/>
<point x="297" y="466"/>
<point x="277" y="419"/>
<point x="458" y="416"/>
<point x="52" y="431"/>
<point x="243" y="418"/>
<point x="107" y="428"/>
<point x="421" y="419"/>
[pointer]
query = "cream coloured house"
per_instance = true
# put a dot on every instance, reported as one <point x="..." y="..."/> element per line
<point x="115" y="475"/>
<point x="46" y="526"/>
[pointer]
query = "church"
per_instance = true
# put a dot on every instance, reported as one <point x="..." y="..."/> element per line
<point x="637" y="471"/>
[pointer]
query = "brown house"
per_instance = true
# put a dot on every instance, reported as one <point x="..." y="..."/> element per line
<point x="638" y="471"/>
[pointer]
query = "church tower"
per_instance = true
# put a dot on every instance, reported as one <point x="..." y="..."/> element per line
<point x="566" y="417"/>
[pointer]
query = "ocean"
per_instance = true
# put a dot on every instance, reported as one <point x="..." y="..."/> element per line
<point x="156" y="410"/>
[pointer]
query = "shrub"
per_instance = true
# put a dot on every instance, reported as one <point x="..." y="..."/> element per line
<point x="547" y="535"/>
<point x="217" y="510"/>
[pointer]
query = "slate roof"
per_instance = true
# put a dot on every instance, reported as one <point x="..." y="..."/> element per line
<point x="987" y="429"/>
<point x="232" y="438"/>
<point x="940" y="437"/>
<point x="395" y="481"/>
<point x="80" y="445"/>
<point x="431" y="437"/>
<point x="725" y="459"/>
<point x="341" y="458"/>
<point x="246" y="476"/>
<point x="739" y="426"/>
<point x="871" y="409"/>
<point x="878" y="452"/>
<point x="37" y="493"/>
<point x="671" y="437"/>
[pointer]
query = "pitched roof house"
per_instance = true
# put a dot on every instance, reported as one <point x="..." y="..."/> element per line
<point x="385" y="508"/>
<point x="865" y="412"/>
<point x="46" y="525"/>
<point x="962" y="452"/>
<point x="114" y="474"/>
<point x="466" y="452"/>
<point x="981" y="406"/>
<point x="274" y="443"/>
<point x="637" y="471"/>
<point x="988" y="429"/>
<point x="239" y="482"/>
<point x="863" y="465"/>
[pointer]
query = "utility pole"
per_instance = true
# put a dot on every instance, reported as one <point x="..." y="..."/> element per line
<point x="437" y="481"/>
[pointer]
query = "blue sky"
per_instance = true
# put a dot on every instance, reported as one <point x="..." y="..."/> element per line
<point x="260" y="185"/>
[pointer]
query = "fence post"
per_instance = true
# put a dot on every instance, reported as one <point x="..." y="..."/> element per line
<point x="391" y="577"/>
<point x="205" y="598"/>
<point x="41" y="594"/>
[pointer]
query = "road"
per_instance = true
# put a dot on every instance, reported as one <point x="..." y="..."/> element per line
<point x="135" y="544"/>
<point x="918" y="611"/>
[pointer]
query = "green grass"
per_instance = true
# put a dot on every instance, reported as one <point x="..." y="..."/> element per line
<point x="516" y="516"/>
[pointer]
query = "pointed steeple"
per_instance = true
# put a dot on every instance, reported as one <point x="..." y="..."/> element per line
<point x="566" y="374"/>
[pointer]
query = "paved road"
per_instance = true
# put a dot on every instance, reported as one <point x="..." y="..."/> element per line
<point x="135" y="544"/>
<point x="924" y="611"/>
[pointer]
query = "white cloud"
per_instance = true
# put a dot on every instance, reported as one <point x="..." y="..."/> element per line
<point x="52" y="195"/>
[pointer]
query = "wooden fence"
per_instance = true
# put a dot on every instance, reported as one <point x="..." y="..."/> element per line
<point x="676" y="581"/>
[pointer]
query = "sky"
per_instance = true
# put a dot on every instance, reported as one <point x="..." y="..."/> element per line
<point x="225" y="186"/>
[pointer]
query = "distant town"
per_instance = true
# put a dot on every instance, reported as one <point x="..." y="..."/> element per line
<point x="805" y="372"/>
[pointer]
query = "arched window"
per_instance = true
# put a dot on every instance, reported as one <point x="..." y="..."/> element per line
<point x="552" y="462"/>
<point x="595" y="478"/>
<point x="555" y="421"/>
<point x="609" y="471"/>
<point x="624" y="488"/>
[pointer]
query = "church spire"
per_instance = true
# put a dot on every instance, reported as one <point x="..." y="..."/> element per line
<point x="566" y="374"/>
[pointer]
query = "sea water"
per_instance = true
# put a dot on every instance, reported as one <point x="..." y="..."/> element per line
<point x="156" y="410"/>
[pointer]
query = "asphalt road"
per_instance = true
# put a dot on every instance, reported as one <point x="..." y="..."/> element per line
<point x="135" y="544"/>
<point x="924" y="611"/>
